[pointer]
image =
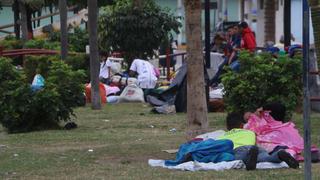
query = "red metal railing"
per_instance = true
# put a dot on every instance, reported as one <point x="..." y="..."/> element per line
<point x="24" y="52"/>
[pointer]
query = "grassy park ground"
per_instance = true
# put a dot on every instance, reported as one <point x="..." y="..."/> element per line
<point x="116" y="143"/>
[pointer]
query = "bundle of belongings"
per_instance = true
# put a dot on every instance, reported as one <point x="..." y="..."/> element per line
<point x="37" y="82"/>
<point x="122" y="88"/>
<point x="174" y="98"/>
<point x="253" y="141"/>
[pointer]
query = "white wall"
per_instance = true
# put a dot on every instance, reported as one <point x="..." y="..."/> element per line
<point x="260" y="25"/>
<point x="279" y="21"/>
<point x="297" y="22"/>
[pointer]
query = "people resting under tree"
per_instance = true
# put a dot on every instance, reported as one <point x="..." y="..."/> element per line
<point x="245" y="148"/>
<point x="272" y="131"/>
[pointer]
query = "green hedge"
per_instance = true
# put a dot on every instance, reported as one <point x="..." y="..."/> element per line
<point x="23" y="110"/>
<point x="263" y="79"/>
<point x="40" y="64"/>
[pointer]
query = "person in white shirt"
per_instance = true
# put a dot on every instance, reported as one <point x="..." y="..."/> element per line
<point x="146" y="75"/>
<point x="105" y="70"/>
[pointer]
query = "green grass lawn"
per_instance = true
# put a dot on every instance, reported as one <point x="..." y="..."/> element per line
<point x="123" y="137"/>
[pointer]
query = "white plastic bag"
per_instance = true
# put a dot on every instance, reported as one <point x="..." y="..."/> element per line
<point x="115" y="67"/>
<point x="132" y="93"/>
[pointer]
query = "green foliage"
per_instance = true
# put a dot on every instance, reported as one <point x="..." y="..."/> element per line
<point x="23" y="110"/>
<point x="37" y="65"/>
<point x="34" y="43"/>
<point x="136" y="31"/>
<point x="77" y="40"/>
<point x="11" y="43"/>
<point x="42" y="44"/>
<point x="263" y="79"/>
<point x="68" y="84"/>
<point x="80" y="62"/>
<point x="41" y="64"/>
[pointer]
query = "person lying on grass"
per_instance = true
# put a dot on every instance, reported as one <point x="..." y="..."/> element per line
<point x="245" y="148"/>
<point x="272" y="131"/>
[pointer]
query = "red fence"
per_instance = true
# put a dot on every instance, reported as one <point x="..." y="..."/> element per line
<point x="23" y="52"/>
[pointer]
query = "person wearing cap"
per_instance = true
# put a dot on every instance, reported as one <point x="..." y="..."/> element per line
<point x="248" y="40"/>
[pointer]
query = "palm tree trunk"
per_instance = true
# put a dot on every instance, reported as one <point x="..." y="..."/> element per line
<point x="270" y="23"/>
<point x="196" y="103"/>
<point x="315" y="16"/>
<point x="29" y="22"/>
<point x="24" y="25"/>
<point x="16" y="12"/>
<point x="63" y="28"/>
<point x="94" y="53"/>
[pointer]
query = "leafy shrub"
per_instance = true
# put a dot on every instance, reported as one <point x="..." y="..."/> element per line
<point x="22" y="110"/>
<point x="263" y="79"/>
<point x="38" y="65"/>
<point x="41" y="65"/>
<point x="11" y="44"/>
<point x="78" y="39"/>
<point x="80" y="62"/>
<point x="34" y="43"/>
<point x="68" y="84"/>
<point x="135" y="31"/>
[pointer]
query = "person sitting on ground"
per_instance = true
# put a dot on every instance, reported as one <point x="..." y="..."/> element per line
<point x="218" y="44"/>
<point x="245" y="148"/>
<point x="146" y="74"/>
<point x="271" y="133"/>
<point x="105" y="70"/>
<point x="248" y="40"/>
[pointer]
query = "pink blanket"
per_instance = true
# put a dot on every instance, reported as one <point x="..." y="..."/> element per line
<point x="271" y="133"/>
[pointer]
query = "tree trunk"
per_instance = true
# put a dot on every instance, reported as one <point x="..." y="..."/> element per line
<point x="51" y="11"/>
<point x="196" y="102"/>
<point x="94" y="53"/>
<point x="29" y="22"/>
<point x="270" y="22"/>
<point x="39" y="14"/>
<point x="315" y="16"/>
<point x="63" y="28"/>
<point x="16" y="12"/>
<point x="24" y="25"/>
<point x="137" y="3"/>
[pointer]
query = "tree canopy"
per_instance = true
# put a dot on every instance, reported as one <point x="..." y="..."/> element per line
<point x="135" y="30"/>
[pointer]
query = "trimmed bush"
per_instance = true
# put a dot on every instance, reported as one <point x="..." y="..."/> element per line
<point x="263" y="79"/>
<point x="41" y="64"/>
<point x="22" y="110"/>
<point x="80" y="61"/>
<point x="11" y="44"/>
<point x="38" y="65"/>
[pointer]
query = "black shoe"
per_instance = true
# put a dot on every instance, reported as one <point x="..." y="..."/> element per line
<point x="251" y="162"/>
<point x="286" y="157"/>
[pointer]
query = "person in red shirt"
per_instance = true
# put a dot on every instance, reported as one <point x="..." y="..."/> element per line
<point x="248" y="40"/>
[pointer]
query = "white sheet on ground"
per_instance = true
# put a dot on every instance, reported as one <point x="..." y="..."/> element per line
<point x="197" y="166"/>
<point x="212" y="135"/>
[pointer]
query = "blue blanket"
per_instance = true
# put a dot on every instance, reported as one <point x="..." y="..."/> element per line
<point x="204" y="151"/>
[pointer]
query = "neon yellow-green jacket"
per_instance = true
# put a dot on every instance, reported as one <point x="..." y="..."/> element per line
<point x="240" y="137"/>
